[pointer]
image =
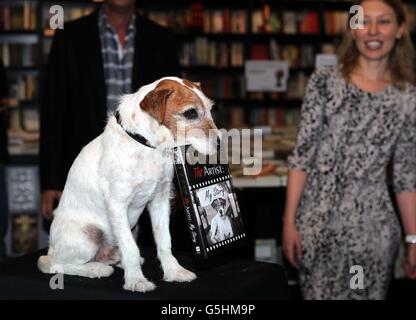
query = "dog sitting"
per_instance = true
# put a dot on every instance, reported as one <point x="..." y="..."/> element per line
<point x="220" y="225"/>
<point x="121" y="172"/>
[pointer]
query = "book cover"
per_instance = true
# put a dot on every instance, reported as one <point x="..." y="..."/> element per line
<point x="289" y="22"/>
<point x="210" y="204"/>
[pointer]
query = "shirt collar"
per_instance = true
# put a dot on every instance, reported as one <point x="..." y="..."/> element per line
<point x="104" y="25"/>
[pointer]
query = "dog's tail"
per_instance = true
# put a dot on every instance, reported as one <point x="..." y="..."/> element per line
<point x="45" y="264"/>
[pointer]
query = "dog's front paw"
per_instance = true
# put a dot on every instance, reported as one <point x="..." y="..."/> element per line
<point x="99" y="270"/>
<point x="180" y="275"/>
<point x="139" y="285"/>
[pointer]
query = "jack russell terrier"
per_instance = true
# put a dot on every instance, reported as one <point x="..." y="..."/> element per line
<point x="121" y="172"/>
<point x="220" y="225"/>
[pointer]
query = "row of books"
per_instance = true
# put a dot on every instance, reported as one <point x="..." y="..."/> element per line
<point x="18" y="54"/>
<point x="299" y="56"/>
<point x="31" y="120"/>
<point x="277" y="144"/>
<point x="18" y="16"/>
<point x="23" y="87"/>
<point x="225" y="86"/>
<point x="275" y="117"/>
<point x="293" y="22"/>
<point x="266" y="20"/>
<point x="22" y="16"/>
<point x="219" y="86"/>
<point x="203" y="51"/>
<point x="335" y="22"/>
<point x="23" y="131"/>
<point x="207" y="21"/>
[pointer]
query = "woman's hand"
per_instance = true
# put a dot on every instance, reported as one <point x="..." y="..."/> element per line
<point x="410" y="266"/>
<point x="291" y="244"/>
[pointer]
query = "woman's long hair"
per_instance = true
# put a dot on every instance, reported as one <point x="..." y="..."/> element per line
<point x="401" y="60"/>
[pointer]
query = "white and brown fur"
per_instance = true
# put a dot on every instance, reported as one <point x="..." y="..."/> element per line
<point x="114" y="178"/>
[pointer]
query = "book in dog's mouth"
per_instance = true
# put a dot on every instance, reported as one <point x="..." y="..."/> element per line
<point x="210" y="201"/>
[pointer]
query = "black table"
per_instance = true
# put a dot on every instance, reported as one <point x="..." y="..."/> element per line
<point x="235" y="279"/>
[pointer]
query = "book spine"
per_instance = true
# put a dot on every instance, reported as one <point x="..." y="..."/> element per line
<point x="198" y="243"/>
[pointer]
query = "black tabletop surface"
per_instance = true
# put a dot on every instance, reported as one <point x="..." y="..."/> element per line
<point x="232" y="279"/>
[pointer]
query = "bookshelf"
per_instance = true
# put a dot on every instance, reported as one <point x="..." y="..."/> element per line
<point x="294" y="31"/>
<point x="215" y="41"/>
<point x="24" y="45"/>
<point x="216" y="38"/>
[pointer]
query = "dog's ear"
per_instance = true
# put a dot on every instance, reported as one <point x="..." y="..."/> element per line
<point x="192" y="84"/>
<point x="154" y="103"/>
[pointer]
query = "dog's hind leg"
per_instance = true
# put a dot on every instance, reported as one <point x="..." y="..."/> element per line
<point x="73" y="250"/>
<point x="90" y="269"/>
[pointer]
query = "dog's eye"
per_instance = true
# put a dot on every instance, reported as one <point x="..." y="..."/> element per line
<point x="190" y="114"/>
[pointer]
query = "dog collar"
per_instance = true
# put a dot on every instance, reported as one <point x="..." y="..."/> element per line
<point x="138" y="137"/>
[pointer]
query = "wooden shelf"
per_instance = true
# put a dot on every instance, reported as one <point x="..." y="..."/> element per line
<point x="16" y="158"/>
<point x="233" y="69"/>
<point x="260" y="182"/>
<point x="297" y="5"/>
<point x="22" y="69"/>
<point x="18" y="33"/>
<point x="181" y="3"/>
<point x="208" y="68"/>
<point x="286" y="38"/>
<point x="221" y="36"/>
<point x="29" y="104"/>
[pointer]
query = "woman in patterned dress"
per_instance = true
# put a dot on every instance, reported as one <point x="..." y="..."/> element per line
<point x="339" y="222"/>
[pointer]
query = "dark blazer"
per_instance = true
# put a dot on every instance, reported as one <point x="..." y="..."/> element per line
<point x="3" y="123"/>
<point x="73" y="104"/>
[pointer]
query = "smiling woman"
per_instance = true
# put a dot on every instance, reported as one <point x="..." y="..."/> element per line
<point x="354" y="119"/>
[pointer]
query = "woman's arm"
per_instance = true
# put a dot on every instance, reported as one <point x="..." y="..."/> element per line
<point x="407" y="207"/>
<point x="302" y="160"/>
<point x="295" y="186"/>
<point x="291" y="242"/>
<point x="404" y="181"/>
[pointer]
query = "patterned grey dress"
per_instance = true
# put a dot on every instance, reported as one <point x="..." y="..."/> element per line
<point x="345" y="217"/>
